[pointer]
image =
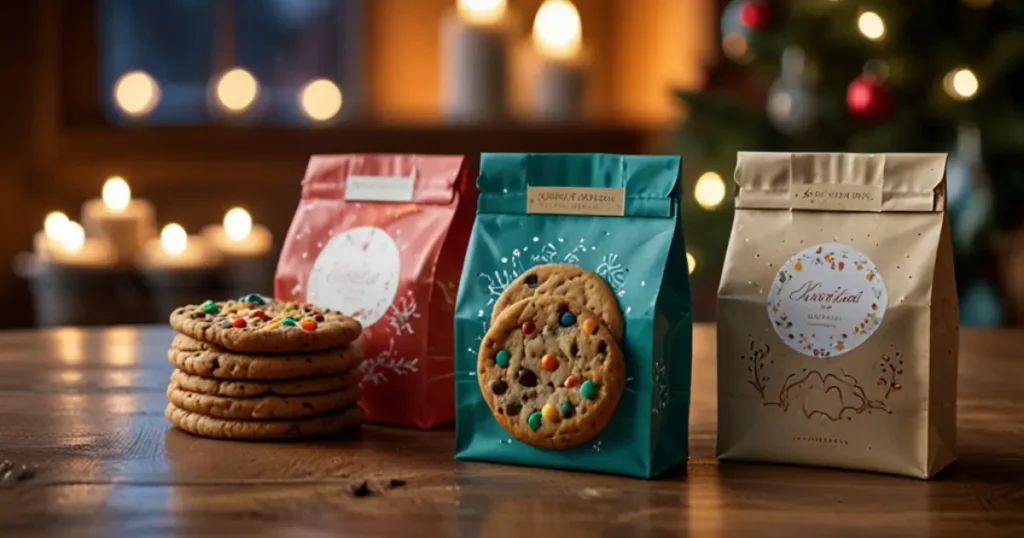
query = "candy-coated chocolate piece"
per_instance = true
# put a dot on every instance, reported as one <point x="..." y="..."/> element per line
<point x="529" y="328"/>
<point x="210" y="307"/>
<point x="588" y="390"/>
<point x="289" y="322"/>
<point x="567" y="319"/>
<point x="502" y="357"/>
<point x="239" y="323"/>
<point x="255" y="298"/>
<point x="308" y="324"/>
<point x="571" y="382"/>
<point x="318" y="316"/>
<point x="566" y="409"/>
<point x="551" y="413"/>
<point x="549" y="362"/>
<point x="535" y="420"/>
<point x="225" y="324"/>
<point x="260" y="314"/>
<point x="590" y="326"/>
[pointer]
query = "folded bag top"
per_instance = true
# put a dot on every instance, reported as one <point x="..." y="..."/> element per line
<point x="646" y="184"/>
<point x="421" y="179"/>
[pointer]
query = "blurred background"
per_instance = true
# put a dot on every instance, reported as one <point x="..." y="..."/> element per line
<point x="171" y="135"/>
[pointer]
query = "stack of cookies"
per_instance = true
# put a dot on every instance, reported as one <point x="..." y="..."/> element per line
<point x="550" y="366"/>
<point x="260" y="369"/>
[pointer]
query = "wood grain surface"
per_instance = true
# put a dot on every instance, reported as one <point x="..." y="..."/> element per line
<point x="89" y="453"/>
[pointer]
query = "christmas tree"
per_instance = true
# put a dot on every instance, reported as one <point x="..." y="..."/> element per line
<point x="869" y="76"/>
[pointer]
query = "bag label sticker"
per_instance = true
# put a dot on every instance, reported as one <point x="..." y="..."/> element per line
<point x="835" y="197"/>
<point x="379" y="188"/>
<point x="576" y="201"/>
<point x="357" y="273"/>
<point x="827" y="300"/>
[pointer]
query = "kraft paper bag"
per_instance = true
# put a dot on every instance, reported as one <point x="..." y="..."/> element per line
<point x="837" y="314"/>
<point x="380" y="237"/>
<point x="631" y="237"/>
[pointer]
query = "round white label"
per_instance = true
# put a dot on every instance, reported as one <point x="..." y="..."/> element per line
<point x="357" y="273"/>
<point x="827" y="300"/>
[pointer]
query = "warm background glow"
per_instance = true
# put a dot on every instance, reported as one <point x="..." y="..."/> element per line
<point x="709" y="190"/>
<point x="116" y="194"/>
<point x="55" y="224"/>
<point x="961" y="84"/>
<point x="237" y="224"/>
<point x="871" y="25"/>
<point x="321" y="99"/>
<point x="557" y="30"/>
<point x="691" y="262"/>
<point x="173" y="239"/>
<point x="481" y="11"/>
<point x="136" y="93"/>
<point x="237" y="89"/>
<point x="72" y="237"/>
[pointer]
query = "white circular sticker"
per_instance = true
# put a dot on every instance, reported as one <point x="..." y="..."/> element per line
<point x="827" y="300"/>
<point x="357" y="273"/>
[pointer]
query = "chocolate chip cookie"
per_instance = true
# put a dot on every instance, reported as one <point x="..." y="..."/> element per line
<point x="337" y="422"/>
<point x="250" y="389"/>
<point x="551" y="372"/>
<point x="271" y="407"/>
<point x="573" y="282"/>
<point x="255" y="324"/>
<point x="200" y="358"/>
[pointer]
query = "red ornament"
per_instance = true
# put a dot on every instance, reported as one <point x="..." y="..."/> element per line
<point x="755" y="14"/>
<point x="867" y="99"/>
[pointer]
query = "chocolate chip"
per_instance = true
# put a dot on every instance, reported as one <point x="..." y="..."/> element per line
<point x="513" y="409"/>
<point x="551" y="385"/>
<point x="499" y="387"/>
<point x="574" y="349"/>
<point x="532" y="280"/>
<point x="396" y="483"/>
<point x="602" y="346"/>
<point x="527" y="378"/>
<point x="362" y="490"/>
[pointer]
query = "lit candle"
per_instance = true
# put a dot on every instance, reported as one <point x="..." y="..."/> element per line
<point x="63" y="242"/>
<point x="238" y="236"/>
<point x="474" y="58"/>
<point x="561" y="73"/>
<point x="176" y="250"/>
<point x="126" y="223"/>
<point x="248" y="266"/>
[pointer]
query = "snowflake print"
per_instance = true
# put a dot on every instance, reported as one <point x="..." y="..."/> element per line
<point x="571" y="257"/>
<point x="660" y="387"/>
<point x="547" y="254"/>
<point x="376" y="370"/>
<point x="613" y="271"/>
<point x="402" y="314"/>
<point x="448" y="291"/>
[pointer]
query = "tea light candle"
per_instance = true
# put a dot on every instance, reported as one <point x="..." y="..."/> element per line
<point x="176" y="250"/>
<point x="561" y="73"/>
<point x="65" y="244"/>
<point x="47" y="240"/>
<point x="125" y="222"/>
<point x="238" y="236"/>
<point x="474" y="58"/>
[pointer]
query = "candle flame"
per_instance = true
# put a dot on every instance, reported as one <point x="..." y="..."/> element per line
<point x="72" y="237"/>
<point x="481" y="11"/>
<point x="173" y="239"/>
<point x="54" y="225"/>
<point x="237" y="224"/>
<point x="557" y="30"/>
<point x="116" y="194"/>
<point x="320" y="99"/>
<point x="237" y="89"/>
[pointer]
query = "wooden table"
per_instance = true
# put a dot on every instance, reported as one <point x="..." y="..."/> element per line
<point x="86" y="408"/>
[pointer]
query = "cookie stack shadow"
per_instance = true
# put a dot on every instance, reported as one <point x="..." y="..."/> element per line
<point x="261" y="379"/>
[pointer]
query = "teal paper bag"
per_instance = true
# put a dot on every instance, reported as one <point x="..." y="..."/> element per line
<point x="629" y="234"/>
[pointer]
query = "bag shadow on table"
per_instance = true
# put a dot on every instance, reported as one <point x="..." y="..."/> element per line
<point x="616" y="217"/>
<point x="837" y="314"/>
<point x="381" y="238"/>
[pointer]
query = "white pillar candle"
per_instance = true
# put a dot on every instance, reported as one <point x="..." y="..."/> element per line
<point x="561" y="73"/>
<point x="124" y="222"/>
<point x="474" y="61"/>
<point x="176" y="250"/>
<point x="238" y="237"/>
<point x="67" y="245"/>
